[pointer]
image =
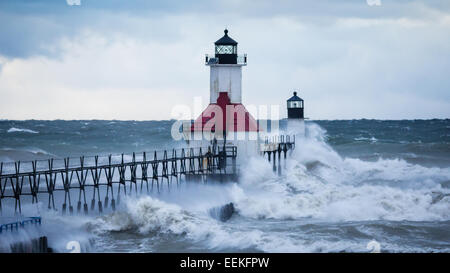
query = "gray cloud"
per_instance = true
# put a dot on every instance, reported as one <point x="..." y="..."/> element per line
<point x="28" y="26"/>
<point x="348" y="59"/>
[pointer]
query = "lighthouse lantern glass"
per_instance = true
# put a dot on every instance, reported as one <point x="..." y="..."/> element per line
<point x="295" y="104"/>
<point x="226" y="49"/>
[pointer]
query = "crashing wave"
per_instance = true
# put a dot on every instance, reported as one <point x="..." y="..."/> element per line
<point x="318" y="183"/>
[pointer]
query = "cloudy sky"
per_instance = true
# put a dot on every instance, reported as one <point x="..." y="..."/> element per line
<point x="136" y="60"/>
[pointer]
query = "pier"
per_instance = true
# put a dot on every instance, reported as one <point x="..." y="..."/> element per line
<point x="106" y="178"/>
<point x="102" y="180"/>
<point x="274" y="147"/>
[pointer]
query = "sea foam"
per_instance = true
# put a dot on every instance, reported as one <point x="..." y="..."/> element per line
<point x="318" y="183"/>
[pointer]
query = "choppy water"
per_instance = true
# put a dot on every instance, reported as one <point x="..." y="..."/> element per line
<point x="348" y="182"/>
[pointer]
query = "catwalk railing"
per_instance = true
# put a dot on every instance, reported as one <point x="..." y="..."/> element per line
<point x="274" y="146"/>
<point x="106" y="177"/>
<point x="14" y="224"/>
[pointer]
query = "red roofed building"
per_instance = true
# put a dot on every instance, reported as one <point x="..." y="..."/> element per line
<point x="224" y="115"/>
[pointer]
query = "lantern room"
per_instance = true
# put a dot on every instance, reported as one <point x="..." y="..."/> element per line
<point x="295" y="106"/>
<point x="226" y="49"/>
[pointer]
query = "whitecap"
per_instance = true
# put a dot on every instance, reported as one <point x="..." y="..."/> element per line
<point x="15" y="130"/>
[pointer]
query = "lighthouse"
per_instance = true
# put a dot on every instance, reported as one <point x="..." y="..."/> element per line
<point x="225" y="118"/>
<point x="295" y="107"/>
<point x="296" y="118"/>
<point x="226" y="70"/>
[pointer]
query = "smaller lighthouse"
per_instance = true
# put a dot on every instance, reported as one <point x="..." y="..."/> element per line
<point x="296" y="118"/>
<point x="295" y="107"/>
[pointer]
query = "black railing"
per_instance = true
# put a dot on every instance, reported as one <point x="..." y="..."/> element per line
<point x="212" y="60"/>
<point x="20" y="223"/>
<point x="113" y="174"/>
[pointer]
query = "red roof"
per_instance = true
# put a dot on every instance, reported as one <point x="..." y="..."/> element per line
<point x="224" y="113"/>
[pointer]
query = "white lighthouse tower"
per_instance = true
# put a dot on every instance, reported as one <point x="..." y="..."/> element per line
<point x="226" y="70"/>
<point x="225" y="118"/>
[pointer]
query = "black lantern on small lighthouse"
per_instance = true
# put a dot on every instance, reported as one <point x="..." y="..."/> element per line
<point x="226" y="49"/>
<point x="295" y="107"/>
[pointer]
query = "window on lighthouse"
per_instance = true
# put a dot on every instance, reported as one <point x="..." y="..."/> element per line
<point x="226" y="49"/>
<point x="295" y="104"/>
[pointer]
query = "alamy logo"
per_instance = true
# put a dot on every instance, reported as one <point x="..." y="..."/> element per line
<point x="73" y="247"/>
<point x="193" y="124"/>
<point x="373" y="2"/>
<point x="73" y="2"/>
<point x="374" y="247"/>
